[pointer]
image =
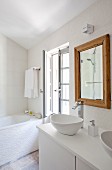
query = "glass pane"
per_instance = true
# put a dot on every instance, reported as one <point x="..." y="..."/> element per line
<point x="91" y="73"/>
<point x="65" y="76"/>
<point x="65" y="92"/>
<point x="48" y="86"/>
<point x="65" y="60"/>
<point x="55" y="84"/>
<point x="64" y="107"/>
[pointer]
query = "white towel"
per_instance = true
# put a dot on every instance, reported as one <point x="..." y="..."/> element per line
<point x="31" y="83"/>
<point x="30" y="78"/>
<point x="36" y="84"/>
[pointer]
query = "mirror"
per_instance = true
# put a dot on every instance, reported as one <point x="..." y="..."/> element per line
<point x="92" y="72"/>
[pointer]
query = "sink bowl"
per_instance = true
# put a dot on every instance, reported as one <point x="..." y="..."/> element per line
<point x="66" y="124"/>
<point x="106" y="138"/>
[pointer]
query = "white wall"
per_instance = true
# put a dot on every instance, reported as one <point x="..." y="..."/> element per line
<point x="100" y="15"/>
<point x="13" y="62"/>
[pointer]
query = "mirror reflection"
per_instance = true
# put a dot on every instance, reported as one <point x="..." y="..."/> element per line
<point x="91" y="73"/>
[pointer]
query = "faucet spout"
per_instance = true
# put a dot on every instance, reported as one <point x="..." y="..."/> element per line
<point x="81" y="111"/>
<point x="80" y="106"/>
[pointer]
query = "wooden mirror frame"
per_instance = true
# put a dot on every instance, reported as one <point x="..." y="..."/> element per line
<point x="105" y="42"/>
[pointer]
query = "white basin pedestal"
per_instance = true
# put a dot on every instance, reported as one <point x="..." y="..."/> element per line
<point x="66" y="124"/>
<point x="106" y="138"/>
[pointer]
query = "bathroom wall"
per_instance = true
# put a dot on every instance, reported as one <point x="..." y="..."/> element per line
<point x="100" y="15"/>
<point x="13" y="62"/>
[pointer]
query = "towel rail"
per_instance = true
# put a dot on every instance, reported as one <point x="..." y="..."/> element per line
<point x="34" y="68"/>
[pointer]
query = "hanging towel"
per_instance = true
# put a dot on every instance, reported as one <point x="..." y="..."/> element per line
<point x="31" y="83"/>
<point x="30" y="78"/>
<point x="36" y="83"/>
<point x="28" y="83"/>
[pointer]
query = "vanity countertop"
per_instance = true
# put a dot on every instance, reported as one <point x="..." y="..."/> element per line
<point x="87" y="148"/>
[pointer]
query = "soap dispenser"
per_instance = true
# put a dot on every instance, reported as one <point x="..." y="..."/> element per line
<point x="92" y="129"/>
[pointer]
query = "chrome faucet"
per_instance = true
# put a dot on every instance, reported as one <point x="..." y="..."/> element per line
<point x="80" y="106"/>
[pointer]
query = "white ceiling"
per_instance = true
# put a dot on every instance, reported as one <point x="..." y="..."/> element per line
<point x="30" y="21"/>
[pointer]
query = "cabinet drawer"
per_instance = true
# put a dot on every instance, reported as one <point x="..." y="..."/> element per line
<point x="53" y="156"/>
<point x="80" y="165"/>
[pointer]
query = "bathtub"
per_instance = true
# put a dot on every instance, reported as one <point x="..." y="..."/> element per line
<point x="18" y="137"/>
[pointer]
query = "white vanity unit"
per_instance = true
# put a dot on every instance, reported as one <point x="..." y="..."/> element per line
<point x="78" y="152"/>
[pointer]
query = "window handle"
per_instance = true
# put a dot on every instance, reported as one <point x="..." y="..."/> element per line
<point x="57" y="90"/>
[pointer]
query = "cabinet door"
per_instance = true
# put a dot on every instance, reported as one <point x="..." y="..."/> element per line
<point x="80" y="165"/>
<point x="53" y="156"/>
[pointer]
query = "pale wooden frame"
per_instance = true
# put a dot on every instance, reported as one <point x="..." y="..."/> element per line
<point x="105" y="42"/>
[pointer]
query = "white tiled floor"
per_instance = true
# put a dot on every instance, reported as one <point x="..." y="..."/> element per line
<point x="29" y="162"/>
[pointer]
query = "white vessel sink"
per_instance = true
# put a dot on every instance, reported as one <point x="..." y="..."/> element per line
<point x="66" y="124"/>
<point x="106" y="138"/>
